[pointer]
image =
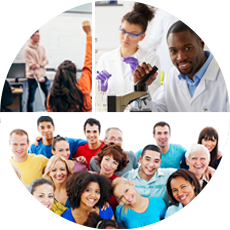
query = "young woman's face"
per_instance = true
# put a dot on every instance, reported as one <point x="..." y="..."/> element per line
<point x="45" y="195"/>
<point x="91" y="195"/>
<point x="223" y="216"/>
<point x="62" y="149"/>
<point x="182" y="190"/>
<point x="125" y="40"/>
<point x="125" y="193"/>
<point x="59" y="172"/>
<point x="108" y="165"/>
<point x="209" y="143"/>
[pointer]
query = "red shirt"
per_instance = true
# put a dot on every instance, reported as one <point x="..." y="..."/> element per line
<point x="88" y="153"/>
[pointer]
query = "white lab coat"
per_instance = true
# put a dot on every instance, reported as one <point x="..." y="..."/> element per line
<point x="121" y="81"/>
<point x="157" y="39"/>
<point x="210" y="95"/>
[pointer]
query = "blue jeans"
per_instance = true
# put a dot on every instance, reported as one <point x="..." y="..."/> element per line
<point x="32" y="83"/>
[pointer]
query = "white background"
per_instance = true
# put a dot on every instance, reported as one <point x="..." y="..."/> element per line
<point x="136" y="137"/>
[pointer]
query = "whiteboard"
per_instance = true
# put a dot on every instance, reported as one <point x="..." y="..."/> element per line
<point x="64" y="39"/>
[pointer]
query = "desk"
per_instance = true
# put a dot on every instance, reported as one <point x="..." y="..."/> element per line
<point x="17" y="103"/>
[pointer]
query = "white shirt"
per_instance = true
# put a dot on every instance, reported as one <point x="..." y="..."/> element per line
<point x="164" y="18"/>
<point x="210" y="96"/>
<point x="121" y="81"/>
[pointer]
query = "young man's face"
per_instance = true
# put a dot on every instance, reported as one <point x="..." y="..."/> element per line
<point x="162" y="135"/>
<point x="150" y="162"/>
<point x="35" y="37"/>
<point x="19" y="145"/>
<point x="46" y="129"/>
<point x="92" y="133"/>
<point x="186" y="52"/>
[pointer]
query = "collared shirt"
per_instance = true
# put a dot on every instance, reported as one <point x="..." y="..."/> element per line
<point x="202" y="180"/>
<point x="155" y="187"/>
<point x="192" y="85"/>
<point x="54" y="221"/>
<point x="201" y="217"/>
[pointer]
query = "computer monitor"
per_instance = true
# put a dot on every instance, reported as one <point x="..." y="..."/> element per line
<point x="17" y="71"/>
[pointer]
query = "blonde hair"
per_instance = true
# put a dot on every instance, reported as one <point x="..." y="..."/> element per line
<point x="226" y="168"/>
<point x="115" y="183"/>
<point x="52" y="161"/>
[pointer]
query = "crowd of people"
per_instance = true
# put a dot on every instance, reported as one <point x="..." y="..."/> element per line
<point x="96" y="183"/>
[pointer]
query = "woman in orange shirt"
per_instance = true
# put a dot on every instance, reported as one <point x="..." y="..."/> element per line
<point x="67" y="95"/>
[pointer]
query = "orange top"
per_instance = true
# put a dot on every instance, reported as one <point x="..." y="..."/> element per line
<point x="85" y="82"/>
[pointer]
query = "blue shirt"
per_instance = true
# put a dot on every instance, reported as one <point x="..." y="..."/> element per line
<point x="201" y="217"/>
<point x="131" y="219"/>
<point x="155" y="187"/>
<point x="192" y="85"/>
<point x="172" y="158"/>
<point x="104" y="214"/>
<point x="45" y="150"/>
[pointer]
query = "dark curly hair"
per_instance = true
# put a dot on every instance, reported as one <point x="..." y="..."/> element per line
<point x="64" y="93"/>
<point x="95" y="221"/>
<point x="140" y="15"/>
<point x="118" y="155"/>
<point x="188" y="176"/>
<point x="78" y="182"/>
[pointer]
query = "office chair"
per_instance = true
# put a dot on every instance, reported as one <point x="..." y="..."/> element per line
<point x="7" y="97"/>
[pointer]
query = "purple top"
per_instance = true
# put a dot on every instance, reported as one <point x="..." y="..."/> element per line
<point x="78" y="167"/>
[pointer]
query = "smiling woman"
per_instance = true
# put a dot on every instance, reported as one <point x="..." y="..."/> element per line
<point x="45" y="213"/>
<point x="87" y="193"/>
<point x="189" y="210"/>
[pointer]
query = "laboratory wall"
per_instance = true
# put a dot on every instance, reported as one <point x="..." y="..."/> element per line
<point x="21" y="16"/>
<point x="213" y="21"/>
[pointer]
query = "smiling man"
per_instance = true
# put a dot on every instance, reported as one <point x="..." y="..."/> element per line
<point x="172" y="154"/>
<point x="46" y="127"/>
<point x="195" y="83"/>
<point x="92" y="131"/>
<point x="15" y="200"/>
<point x="149" y="179"/>
<point x="30" y="166"/>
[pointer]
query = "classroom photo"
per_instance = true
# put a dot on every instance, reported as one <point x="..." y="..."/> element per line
<point x="46" y="56"/>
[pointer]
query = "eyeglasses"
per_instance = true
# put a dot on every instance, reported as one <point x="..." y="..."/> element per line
<point x="114" y="139"/>
<point x="131" y="36"/>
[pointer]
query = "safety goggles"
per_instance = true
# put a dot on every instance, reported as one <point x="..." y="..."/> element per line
<point x="131" y="36"/>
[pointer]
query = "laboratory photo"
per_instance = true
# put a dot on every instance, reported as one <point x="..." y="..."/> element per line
<point x="53" y="70"/>
<point x="106" y="173"/>
<point x="148" y="60"/>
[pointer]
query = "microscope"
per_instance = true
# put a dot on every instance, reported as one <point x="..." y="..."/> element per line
<point x="119" y="103"/>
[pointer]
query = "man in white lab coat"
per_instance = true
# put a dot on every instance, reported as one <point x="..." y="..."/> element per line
<point x="166" y="15"/>
<point x="195" y="83"/>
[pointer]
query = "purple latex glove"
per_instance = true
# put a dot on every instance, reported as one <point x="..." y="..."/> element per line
<point x="104" y="77"/>
<point x="132" y="61"/>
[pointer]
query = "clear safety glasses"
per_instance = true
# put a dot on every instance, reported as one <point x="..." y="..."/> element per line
<point x="131" y="36"/>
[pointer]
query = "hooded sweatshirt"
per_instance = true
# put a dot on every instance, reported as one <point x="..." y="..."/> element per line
<point x="35" y="54"/>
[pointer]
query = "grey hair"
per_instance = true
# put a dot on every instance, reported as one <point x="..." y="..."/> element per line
<point x="107" y="131"/>
<point x="196" y="147"/>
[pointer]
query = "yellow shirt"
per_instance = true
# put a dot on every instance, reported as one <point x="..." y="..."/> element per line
<point x="32" y="168"/>
<point x="224" y="190"/>
<point x="54" y="220"/>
